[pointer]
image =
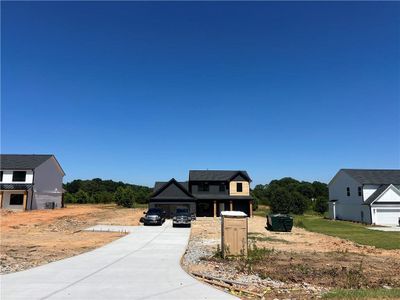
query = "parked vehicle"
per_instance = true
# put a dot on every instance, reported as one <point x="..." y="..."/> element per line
<point x="185" y="210"/>
<point x="154" y="216"/>
<point x="182" y="218"/>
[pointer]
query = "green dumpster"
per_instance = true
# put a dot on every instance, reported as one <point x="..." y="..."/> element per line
<point x="279" y="222"/>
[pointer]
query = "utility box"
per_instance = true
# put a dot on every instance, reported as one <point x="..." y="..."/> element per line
<point x="234" y="228"/>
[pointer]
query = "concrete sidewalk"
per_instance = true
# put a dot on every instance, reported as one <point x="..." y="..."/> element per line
<point x="141" y="265"/>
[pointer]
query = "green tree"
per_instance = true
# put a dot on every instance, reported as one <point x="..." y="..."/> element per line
<point x="280" y="200"/>
<point x="321" y="189"/>
<point x="298" y="203"/>
<point x="321" y="205"/>
<point x="260" y="193"/>
<point x="82" y="197"/>
<point x="69" y="198"/>
<point x="124" y="196"/>
<point x="103" y="197"/>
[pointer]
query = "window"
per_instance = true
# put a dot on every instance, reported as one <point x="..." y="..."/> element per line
<point x="16" y="199"/>
<point x="359" y="191"/>
<point x="348" y="191"/>
<point x="19" y="176"/>
<point x="204" y="187"/>
<point x="222" y="187"/>
<point x="239" y="187"/>
<point x="1" y="175"/>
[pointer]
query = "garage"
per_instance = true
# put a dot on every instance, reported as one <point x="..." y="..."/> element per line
<point x="387" y="216"/>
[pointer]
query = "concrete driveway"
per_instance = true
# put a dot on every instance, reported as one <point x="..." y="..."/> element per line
<point x="141" y="265"/>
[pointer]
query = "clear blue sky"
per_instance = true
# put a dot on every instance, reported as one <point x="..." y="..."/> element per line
<point x="146" y="91"/>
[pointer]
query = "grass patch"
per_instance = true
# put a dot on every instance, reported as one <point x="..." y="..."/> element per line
<point x="262" y="238"/>
<point x="355" y="232"/>
<point x="262" y="211"/>
<point x="363" y="294"/>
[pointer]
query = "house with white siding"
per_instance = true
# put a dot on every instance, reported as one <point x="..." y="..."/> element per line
<point x="367" y="196"/>
<point x="30" y="182"/>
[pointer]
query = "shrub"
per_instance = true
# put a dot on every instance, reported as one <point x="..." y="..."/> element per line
<point x="321" y="205"/>
<point x="124" y="197"/>
<point x="82" y="197"/>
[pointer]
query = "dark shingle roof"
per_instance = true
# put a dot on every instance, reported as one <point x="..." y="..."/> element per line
<point x="22" y="161"/>
<point x="13" y="186"/>
<point x="159" y="184"/>
<point x="376" y="194"/>
<point x="171" y="190"/>
<point x="365" y="176"/>
<point x="214" y="175"/>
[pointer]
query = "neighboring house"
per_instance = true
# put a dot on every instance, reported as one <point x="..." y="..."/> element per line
<point x="206" y="194"/>
<point x="30" y="182"/>
<point x="368" y="196"/>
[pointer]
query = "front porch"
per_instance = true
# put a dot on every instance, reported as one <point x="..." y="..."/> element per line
<point x="14" y="196"/>
<point x="213" y="208"/>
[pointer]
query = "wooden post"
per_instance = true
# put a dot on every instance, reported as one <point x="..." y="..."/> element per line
<point x="1" y="199"/>
<point x="215" y="208"/>
<point x="25" y="196"/>
<point x="251" y="209"/>
<point x="230" y="205"/>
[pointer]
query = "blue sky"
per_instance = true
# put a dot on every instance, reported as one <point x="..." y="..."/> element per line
<point x="141" y="92"/>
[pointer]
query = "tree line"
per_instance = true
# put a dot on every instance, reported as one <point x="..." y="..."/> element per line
<point x="106" y="191"/>
<point x="288" y="195"/>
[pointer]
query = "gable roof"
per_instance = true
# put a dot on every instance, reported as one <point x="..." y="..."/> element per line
<point x="216" y="175"/>
<point x="22" y="161"/>
<point x="379" y="191"/>
<point x="365" y="176"/>
<point x="159" y="184"/>
<point x="171" y="190"/>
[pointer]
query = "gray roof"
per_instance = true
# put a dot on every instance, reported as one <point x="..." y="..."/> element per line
<point x="214" y="175"/>
<point x="365" y="176"/>
<point x="222" y="197"/>
<point x="378" y="192"/>
<point x="171" y="190"/>
<point x="16" y="187"/>
<point x="22" y="161"/>
<point x="159" y="184"/>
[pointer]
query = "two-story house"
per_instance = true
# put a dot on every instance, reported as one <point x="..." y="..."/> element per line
<point x="30" y="182"/>
<point x="206" y="193"/>
<point x="367" y="196"/>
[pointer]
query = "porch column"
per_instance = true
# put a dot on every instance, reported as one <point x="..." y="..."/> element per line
<point x="215" y="208"/>
<point x="334" y="210"/>
<point x="25" y="196"/>
<point x="1" y="199"/>
<point x="251" y="209"/>
<point x="230" y="205"/>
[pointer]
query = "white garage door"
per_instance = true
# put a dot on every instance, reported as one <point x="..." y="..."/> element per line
<point x="388" y="216"/>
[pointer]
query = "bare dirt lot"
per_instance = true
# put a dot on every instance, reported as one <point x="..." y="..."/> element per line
<point x="33" y="238"/>
<point x="300" y="264"/>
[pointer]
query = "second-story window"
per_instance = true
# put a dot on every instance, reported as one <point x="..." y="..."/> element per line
<point x="1" y="175"/>
<point x="222" y="187"/>
<point x="348" y="191"/>
<point x="359" y="191"/>
<point x="19" y="176"/>
<point x="239" y="187"/>
<point x="204" y="187"/>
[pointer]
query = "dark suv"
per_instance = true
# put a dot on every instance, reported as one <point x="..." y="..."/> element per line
<point x="154" y="216"/>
